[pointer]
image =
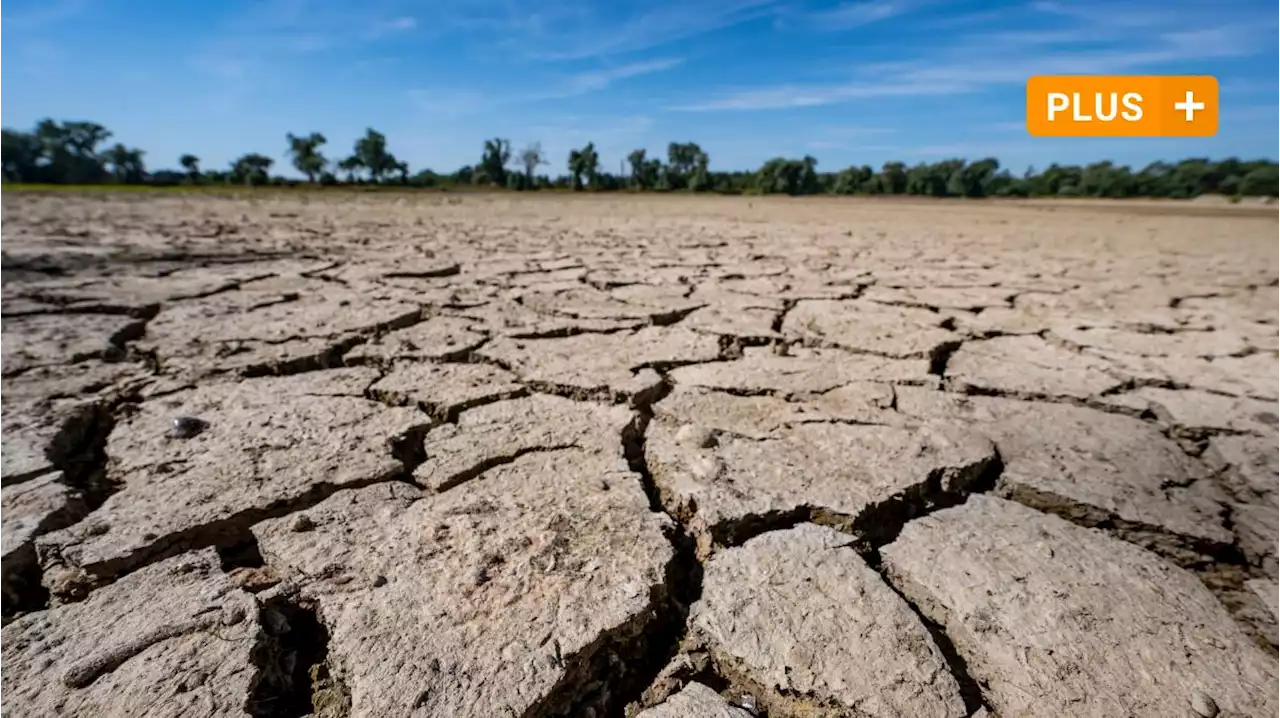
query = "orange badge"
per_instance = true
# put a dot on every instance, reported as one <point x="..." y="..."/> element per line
<point x="1122" y="106"/>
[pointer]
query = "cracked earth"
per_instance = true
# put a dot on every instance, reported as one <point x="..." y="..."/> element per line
<point x="417" y="455"/>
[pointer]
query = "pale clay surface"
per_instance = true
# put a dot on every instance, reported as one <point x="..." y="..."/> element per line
<point x="799" y="610"/>
<point x="1076" y="617"/>
<point x="695" y="701"/>
<point x="498" y="455"/>
<point x="493" y="591"/>
<point x="173" y="639"/>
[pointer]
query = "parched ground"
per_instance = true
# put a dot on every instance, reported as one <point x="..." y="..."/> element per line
<point x="343" y="454"/>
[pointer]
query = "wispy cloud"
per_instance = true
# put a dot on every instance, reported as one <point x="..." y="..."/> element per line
<point x="404" y="22"/>
<point x="793" y="96"/>
<point x="36" y="58"/>
<point x="446" y="102"/>
<point x="969" y="19"/>
<point x="1249" y="113"/>
<point x="1237" y="86"/>
<point x="974" y="62"/>
<point x="256" y="47"/>
<point x="384" y="27"/>
<point x="593" y="81"/>
<point x="849" y="137"/>
<point x="962" y="149"/>
<point x="587" y="31"/>
<point x="280" y="28"/>
<point x="848" y="131"/>
<point x="1008" y="127"/>
<point x="850" y="15"/>
<point x="43" y="14"/>
<point x="589" y="127"/>
<point x="1110" y="14"/>
<point x="819" y="145"/>
<point x="461" y="102"/>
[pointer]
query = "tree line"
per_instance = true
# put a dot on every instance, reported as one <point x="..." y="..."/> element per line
<point x="81" y="153"/>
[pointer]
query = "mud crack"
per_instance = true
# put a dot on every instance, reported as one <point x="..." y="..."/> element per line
<point x="295" y="678"/>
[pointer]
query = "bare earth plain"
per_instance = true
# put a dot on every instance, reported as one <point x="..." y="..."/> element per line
<point x="343" y="454"/>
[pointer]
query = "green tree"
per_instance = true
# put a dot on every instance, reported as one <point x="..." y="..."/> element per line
<point x="425" y="178"/>
<point x="1263" y="181"/>
<point x="970" y="180"/>
<point x="531" y="157"/>
<point x="191" y="164"/>
<point x="251" y="169"/>
<point x="682" y="161"/>
<point x="125" y="164"/>
<point x="639" y="178"/>
<point x="646" y="173"/>
<point x="69" y="151"/>
<point x="21" y="152"/>
<point x="584" y="163"/>
<point x="464" y="175"/>
<point x="370" y="154"/>
<point x="493" y="163"/>
<point x="351" y="166"/>
<point x="305" y="152"/>
<point x="854" y="180"/>
<point x="783" y="176"/>
<point x="700" y="178"/>
<point x="894" y="178"/>
<point x="591" y="165"/>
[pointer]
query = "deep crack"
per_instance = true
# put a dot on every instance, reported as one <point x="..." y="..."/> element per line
<point x="294" y="675"/>
<point x="970" y="689"/>
<point x="683" y="579"/>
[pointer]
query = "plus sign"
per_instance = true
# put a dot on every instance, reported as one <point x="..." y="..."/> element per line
<point x="1189" y="106"/>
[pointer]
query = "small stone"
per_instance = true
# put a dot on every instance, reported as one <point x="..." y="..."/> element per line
<point x="748" y="703"/>
<point x="302" y="523"/>
<point x="1203" y="705"/>
<point x="707" y="468"/>
<point x="185" y="427"/>
<point x="233" y="615"/>
<point x="379" y="581"/>
<point x="253" y="579"/>
<point x="693" y="435"/>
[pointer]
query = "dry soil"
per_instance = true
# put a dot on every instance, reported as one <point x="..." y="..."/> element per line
<point x="343" y="454"/>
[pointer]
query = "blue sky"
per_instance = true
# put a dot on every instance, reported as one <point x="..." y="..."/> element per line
<point x="857" y="82"/>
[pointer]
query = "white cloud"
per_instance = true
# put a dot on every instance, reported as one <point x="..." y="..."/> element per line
<point x="848" y="131"/>
<point x="850" y="15"/>
<point x="592" y="81"/>
<point x="451" y="102"/>
<point x="379" y="29"/>
<point x="460" y="102"/>
<point x="1247" y="113"/>
<point x="45" y="14"/>
<point x="964" y="20"/>
<point x="1113" y="14"/>
<point x="793" y="96"/>
<point x="583" y="31"/>
<point x="975" y="62"/>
